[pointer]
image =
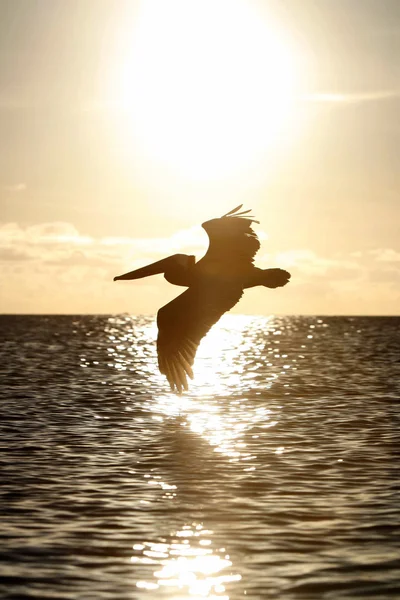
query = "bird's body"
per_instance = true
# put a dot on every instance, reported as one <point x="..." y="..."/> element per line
<point x="215" y="284"/>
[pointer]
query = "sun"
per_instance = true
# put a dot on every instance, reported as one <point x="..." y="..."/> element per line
<point x="205" y="87"/>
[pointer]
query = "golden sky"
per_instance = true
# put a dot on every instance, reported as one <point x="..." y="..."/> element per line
<point x="125" y="124"/>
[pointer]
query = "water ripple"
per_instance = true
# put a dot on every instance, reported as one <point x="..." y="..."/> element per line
<point x="275" y="476"/>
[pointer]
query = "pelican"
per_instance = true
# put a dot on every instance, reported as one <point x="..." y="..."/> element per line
<point x="215" y="284"/>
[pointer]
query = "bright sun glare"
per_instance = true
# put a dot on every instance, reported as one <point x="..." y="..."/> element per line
<point x="206" y="87"/>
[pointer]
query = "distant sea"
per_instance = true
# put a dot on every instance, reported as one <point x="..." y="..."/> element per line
<point x="276" y="476"/>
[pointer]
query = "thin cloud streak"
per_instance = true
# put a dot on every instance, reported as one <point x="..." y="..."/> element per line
<point x="15" y="187"/>
<point x="351" y="98"/>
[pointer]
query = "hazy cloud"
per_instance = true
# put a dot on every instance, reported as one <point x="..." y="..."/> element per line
<point x="307" y="262"/>
<point x="188" y="240"/>
<point x="13" y="254"/>
<point x="12" y="234"/>
<point x="15" y="187"/>
<point x="386" y="255"/>
<point x="61" y="269"/>
<point x="61" y="243"/>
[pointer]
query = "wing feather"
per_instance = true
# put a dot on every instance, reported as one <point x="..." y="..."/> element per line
<point x="232" y="239"/>
<point x="182" y="324"/>
<point x="233" y="210"/>
<point x="186" y="366"/>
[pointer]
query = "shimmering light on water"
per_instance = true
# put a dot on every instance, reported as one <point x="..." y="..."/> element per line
<point x="187" y="563"/>
<point x="274" y="477"/>
<point x="222" y="365"/>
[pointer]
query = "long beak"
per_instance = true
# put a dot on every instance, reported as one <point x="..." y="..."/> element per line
<point x="153" y="269"/>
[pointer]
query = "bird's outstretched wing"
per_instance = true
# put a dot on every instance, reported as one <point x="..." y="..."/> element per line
<point x="232" y="239"/>
<point x="183" y="322"/>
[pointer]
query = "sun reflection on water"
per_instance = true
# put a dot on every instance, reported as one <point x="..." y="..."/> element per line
<point x="217" y="407"/>
<point x="237" y="363"/>
<point x="187" y="563"/>
<point x="239" y="357"/>
<point x="221" y="364"/>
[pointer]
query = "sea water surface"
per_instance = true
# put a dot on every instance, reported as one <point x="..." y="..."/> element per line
<point x="276" y="476"/>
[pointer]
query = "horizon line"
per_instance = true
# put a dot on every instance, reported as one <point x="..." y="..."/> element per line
<point x="112" y="314"/>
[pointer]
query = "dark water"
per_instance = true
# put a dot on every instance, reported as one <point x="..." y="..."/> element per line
<point x="276" y="476"/>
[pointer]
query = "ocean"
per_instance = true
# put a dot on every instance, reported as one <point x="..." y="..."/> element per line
<point x="276" y="476"/>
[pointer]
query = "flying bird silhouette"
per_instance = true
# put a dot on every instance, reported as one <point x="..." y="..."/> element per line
<point x="215" y="284"/>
